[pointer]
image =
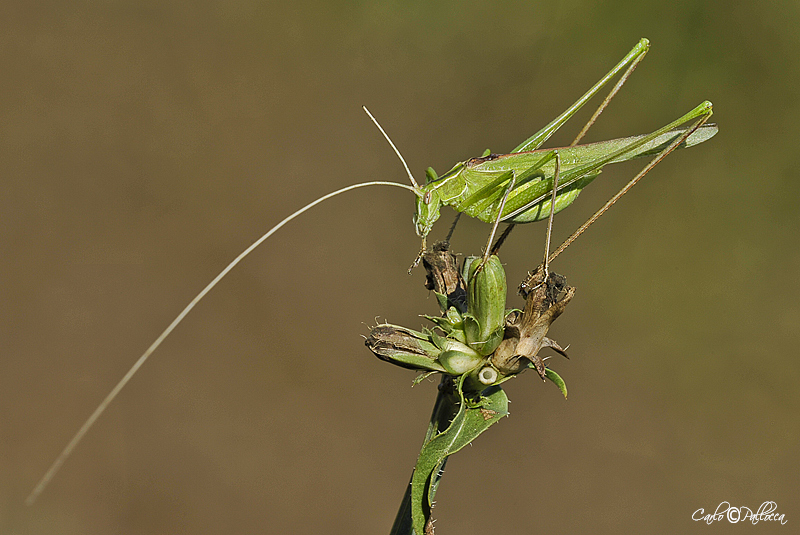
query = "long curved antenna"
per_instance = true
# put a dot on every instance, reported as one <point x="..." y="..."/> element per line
<point x="374" y="120"/>
<point x="138" y="364"/>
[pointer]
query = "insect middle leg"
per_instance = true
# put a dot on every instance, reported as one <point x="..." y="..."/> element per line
<point x="507" y="231"/>
<point x="488" y="250"/>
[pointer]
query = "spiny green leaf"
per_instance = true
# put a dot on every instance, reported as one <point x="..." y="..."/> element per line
<point x="559" y="382"/>
<point x="468" y="423"/>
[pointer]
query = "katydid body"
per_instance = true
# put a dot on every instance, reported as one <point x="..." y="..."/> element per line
<point x="480" y="186"/>
<point x="476" y="187"/>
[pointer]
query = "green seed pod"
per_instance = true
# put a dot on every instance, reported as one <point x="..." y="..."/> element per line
<point x="458" y="358"/>
<point x="485" y="319"/>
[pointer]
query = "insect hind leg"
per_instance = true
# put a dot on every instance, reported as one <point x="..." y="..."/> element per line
<point x="606" y="100"/>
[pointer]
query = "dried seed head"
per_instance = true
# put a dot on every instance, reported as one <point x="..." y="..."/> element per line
<point x="404" y="347"/>
<point x="526" y="335"/>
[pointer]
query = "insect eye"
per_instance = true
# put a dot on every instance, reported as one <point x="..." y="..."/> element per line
<point x="427" y="197"/>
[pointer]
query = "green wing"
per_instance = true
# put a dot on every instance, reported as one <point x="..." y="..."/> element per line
<point x="483" y="181"/>
<point x="593" y="151"/>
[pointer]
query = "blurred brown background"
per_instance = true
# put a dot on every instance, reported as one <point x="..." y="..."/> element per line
<point x="144" y="145"/>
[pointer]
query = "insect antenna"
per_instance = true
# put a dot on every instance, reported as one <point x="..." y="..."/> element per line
<point x="73" y="443"/>
<point x="374" y="120"/>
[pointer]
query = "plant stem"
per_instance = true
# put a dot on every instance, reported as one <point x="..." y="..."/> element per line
<point x="444" y="410"/>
